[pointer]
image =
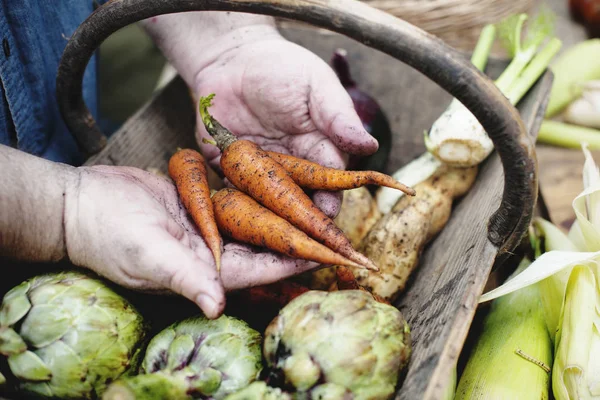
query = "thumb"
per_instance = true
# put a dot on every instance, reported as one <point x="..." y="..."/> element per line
<point x="333" y="113"/>
<point x="181" y="270"/>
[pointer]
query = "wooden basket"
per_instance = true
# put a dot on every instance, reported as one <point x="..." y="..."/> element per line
<point x="441" y="298"/>
<point x="457" y="22"/>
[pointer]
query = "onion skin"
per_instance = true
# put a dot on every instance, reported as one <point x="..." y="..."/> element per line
<point x="587" y="12"/>
<point x="370" y="113"/>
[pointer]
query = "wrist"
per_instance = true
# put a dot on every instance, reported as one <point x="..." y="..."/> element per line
<point x="193" y="41"/>
<point x="32" y="207"/>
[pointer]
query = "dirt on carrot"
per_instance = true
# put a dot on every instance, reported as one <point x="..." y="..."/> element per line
<point x="240" y="217"/>
<point x="250" y="169"/>
<point x="187" y="168"/>
<point x="311" y="175"/>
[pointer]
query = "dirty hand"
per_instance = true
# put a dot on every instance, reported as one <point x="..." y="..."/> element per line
<point x="128" y="225"/>
<point x="267" y="89"/>
<point x="288" y="100"/>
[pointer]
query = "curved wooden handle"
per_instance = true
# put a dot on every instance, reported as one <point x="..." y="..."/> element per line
<point x="355" y="19"/>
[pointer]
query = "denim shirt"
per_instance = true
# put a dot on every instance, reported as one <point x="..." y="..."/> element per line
<point x="33" y="35"/>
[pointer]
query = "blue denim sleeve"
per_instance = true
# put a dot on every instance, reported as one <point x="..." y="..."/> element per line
<point x="33" y="34"/>
<point x="7" y="131"/>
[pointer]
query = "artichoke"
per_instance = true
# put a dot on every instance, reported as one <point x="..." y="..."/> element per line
<point x="67" y="335"/>
<point x="195" y="358"/>
<point x="259" y="390"/>
<point x="326" y="344"/>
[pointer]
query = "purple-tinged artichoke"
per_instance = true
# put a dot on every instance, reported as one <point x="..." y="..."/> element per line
<point x="195" y="358"/>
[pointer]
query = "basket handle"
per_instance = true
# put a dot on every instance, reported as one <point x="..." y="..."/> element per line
<point x="357" y="20"/>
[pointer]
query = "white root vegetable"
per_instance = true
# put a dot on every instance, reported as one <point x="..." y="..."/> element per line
<point x="396" y="241"/>
<point x="413" y="173"/>
<point x="457" y="138"/>
<point x="357" y="216"/>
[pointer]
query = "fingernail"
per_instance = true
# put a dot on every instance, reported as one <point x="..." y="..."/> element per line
<point x="209" y="306"/>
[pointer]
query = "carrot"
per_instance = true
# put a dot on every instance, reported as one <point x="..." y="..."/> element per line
<point x="240" y="217"/>
<point x="347" y="281"/>
<point x="311" y="175"/>
<point x="187" y="169"/>
<point x="250" y="169"/>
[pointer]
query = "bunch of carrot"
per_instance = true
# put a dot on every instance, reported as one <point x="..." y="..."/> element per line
<point x="268" y="206"/>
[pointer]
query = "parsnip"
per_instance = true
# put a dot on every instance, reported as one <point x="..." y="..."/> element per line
<point x="357" y="216"/>
<point x="396" y="241"/>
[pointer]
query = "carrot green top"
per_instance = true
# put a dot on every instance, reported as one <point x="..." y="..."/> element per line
<point x="223" y="137"/>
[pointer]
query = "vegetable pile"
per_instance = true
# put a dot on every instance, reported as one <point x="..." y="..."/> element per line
<point x="331" y="333"/>
<point x="70" y="336"/>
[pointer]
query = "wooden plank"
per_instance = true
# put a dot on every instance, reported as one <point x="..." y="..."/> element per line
<point x="151" y="136"/>
<point x="441" y="301"/>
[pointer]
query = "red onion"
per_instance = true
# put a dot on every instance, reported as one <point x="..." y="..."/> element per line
<point x="372" y="116"/>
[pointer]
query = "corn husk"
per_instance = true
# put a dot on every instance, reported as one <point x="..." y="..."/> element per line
<point x="568" y="280"/>
<point x="552" y="289"/>
<point x="513" y="355"/>
<point x="576" y="371"/>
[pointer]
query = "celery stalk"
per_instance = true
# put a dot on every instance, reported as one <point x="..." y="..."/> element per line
<point x="456" y="137"/>
<point x="568" y="135"/>
<point x="481" y="53"/>
<point x="532" y="73"/>
<point x="521" y="57"/>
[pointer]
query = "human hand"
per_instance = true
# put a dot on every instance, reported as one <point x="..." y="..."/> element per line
<point x="129" y="226"/>
<point x="286" y="99"/>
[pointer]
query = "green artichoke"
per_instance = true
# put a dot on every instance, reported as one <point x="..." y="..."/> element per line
<point x="195" y="358"/>
<point x="259" y="390"/>
<point x="67" y="335"/>
<point x="328" y="343"/>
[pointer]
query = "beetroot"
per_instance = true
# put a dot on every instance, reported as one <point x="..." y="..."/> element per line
<point x="372" y="116"/>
